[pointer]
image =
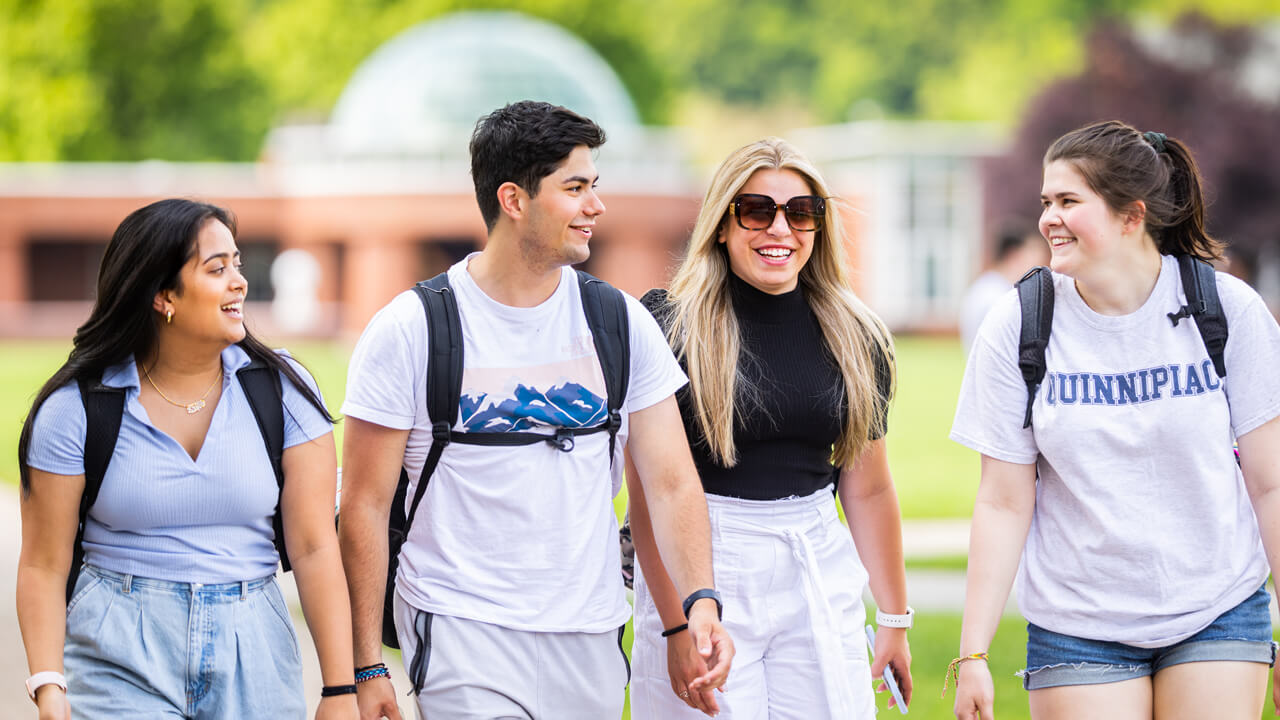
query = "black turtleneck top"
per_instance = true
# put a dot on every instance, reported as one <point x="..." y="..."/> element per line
<point x="784" y="433"/>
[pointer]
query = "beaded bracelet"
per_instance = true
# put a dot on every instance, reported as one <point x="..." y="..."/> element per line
<point x="672" y="631"/>
<point x="953" y="669"/>
<point x="374" y="671"/>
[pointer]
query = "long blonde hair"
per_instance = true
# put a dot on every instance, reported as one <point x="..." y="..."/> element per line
<point x="704" y="329"/>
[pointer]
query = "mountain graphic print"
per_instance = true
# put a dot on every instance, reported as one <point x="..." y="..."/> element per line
<point x="559" y="395"/>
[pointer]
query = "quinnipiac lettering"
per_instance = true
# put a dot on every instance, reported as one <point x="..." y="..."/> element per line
<point x="1131" y="388"/>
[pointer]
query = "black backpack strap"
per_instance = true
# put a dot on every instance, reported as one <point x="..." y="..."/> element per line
<point x="103" y="410"/>
<point x="606" y="311"/>
<point x="1035" y="296"/>
<point x="261" y="385"/>
<point x="444" y="391"/>
<point x="444" y="374"/>
<point x="1200" y="285"/>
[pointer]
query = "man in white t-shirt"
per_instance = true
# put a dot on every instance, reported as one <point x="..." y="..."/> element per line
<point x="509" y="597"/>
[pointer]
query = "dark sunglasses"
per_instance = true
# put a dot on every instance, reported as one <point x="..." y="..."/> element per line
<point x="756" y="212"/>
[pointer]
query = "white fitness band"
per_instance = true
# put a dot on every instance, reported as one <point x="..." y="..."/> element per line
<point x="895" y="621"/>
<point x="40" y="679"/>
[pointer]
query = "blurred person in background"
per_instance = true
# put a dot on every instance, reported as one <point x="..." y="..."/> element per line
<point x="1140" y="546"/>
<point x="176" y="611"/>
<point x="1016" y="253"/>
<point x="790" y="381"/>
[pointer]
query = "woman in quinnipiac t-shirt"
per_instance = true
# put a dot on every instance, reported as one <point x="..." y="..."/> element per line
<point x="1142" y="564"/>
<point x="788" y="371"/>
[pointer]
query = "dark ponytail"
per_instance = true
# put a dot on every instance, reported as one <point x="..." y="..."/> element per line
<point x="1124" y="165"/>
<point x="145" y="255"/>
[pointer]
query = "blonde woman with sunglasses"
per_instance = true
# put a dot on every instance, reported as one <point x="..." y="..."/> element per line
<point x="790" y="378"/>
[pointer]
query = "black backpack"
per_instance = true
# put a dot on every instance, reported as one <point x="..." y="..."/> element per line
<point x="1035" y="295"/>
<point x="103" y="409"/>
<point x="606" y="311"/>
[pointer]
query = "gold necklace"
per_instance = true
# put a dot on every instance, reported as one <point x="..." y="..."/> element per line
<point x="192" y="407"/>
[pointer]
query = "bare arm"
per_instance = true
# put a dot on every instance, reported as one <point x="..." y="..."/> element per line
<point x="871" y="504"/>
<point x="1260" y="463"/>
<point x="1001" y="517"/>
<point x="310" y="469"/>
<point x="684" y="663"/>
<point x="50" y="514"/>
<point x="678" y="513"/>
<point x="372" y="456"/>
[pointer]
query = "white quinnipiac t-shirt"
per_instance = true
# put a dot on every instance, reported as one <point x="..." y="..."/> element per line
<point x="1142" y="531"/>
<point x="522" y="537"/>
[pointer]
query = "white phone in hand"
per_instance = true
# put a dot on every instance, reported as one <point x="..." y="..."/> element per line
<point x="889" y="679"/>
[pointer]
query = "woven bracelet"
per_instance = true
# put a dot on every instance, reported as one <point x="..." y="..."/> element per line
<point x="370" y="673"/>
<point x="953" y="669"/>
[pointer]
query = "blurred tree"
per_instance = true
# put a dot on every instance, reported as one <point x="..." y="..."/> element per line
<point x="1187" y="83"/>
<point x="128" y="80"/>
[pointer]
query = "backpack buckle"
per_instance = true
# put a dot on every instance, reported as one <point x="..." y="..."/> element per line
<point x="441" y="432"/>
<point x="614" y="423"/>
<point x="562" y="440"/>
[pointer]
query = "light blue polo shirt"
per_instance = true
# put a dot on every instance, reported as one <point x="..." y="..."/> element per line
<point x="161" y="514"/>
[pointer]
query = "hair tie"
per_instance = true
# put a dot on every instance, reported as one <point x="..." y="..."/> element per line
<point x="1156" y="139"/>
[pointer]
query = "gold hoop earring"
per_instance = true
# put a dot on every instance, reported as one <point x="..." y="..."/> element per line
<point x="168" y="318"/>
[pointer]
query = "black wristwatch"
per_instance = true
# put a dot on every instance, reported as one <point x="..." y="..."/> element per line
<point x="697" y="595"/>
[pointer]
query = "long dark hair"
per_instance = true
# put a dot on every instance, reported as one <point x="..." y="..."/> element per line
<point x="1123" y="165"/>
<point x="145" y="256"/>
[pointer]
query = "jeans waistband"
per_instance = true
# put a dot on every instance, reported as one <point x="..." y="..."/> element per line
<point x="128" y="583"/>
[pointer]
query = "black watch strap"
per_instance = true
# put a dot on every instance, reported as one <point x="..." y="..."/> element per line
<point x="697" y="595"/>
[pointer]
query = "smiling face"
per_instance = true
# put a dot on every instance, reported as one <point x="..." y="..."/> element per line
<point x="209" y="303"/>
<point x="561" y="217"/>
<point x="770" y="260"/>
<point x="1082" y="230"/>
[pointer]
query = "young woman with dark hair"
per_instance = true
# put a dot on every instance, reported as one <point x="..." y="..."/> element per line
<point x="1140" y="547"/>
<point x="176" y="610"/>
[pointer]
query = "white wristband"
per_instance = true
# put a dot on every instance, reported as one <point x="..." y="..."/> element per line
<point x="895" y="621"/>
<point x="40" y="679"/>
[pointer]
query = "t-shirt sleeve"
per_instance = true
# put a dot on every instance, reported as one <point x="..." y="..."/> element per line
<point x="884" y="386"/>
<point x="382" y="378"/>
<point x="57" y="436"/>
<point x="1253" y="343"/>
<point x="655" y="374"/>
<point x="302" y="421"/>
<point x="993" y="396"/>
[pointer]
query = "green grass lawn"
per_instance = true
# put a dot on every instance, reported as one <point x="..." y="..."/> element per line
<point x="935" y="476"/>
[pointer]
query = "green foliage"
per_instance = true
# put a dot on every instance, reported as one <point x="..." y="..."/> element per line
<point x="129" y="80"/>
<point x="206" y="79"/>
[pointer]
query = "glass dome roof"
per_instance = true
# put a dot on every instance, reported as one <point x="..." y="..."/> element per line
<point x="423" y="90"/>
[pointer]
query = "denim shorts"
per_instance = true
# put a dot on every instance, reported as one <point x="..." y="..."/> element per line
<point x="143" y="648"/>
<point x="1241" y="634"/>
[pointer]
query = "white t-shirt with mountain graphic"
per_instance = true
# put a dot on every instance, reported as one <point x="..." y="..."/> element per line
<point x="522" y="537"/>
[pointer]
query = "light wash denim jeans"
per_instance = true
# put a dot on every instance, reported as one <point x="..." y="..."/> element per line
<point x="143" y="648"/>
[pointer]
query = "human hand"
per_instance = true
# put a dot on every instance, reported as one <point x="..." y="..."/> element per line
<point x="975" y="692"/>
<point x="376" y="699"/>
<point x="892" y="649"/>
<point x="685" y="664"/>
<point x="338" y="707"/>
<point x="52" y="703"/>
<point x="713" y="645"/>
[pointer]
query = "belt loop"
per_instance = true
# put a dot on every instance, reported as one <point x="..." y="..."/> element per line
<point x="128" y="584"/>
<point x="244" y="590"/>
